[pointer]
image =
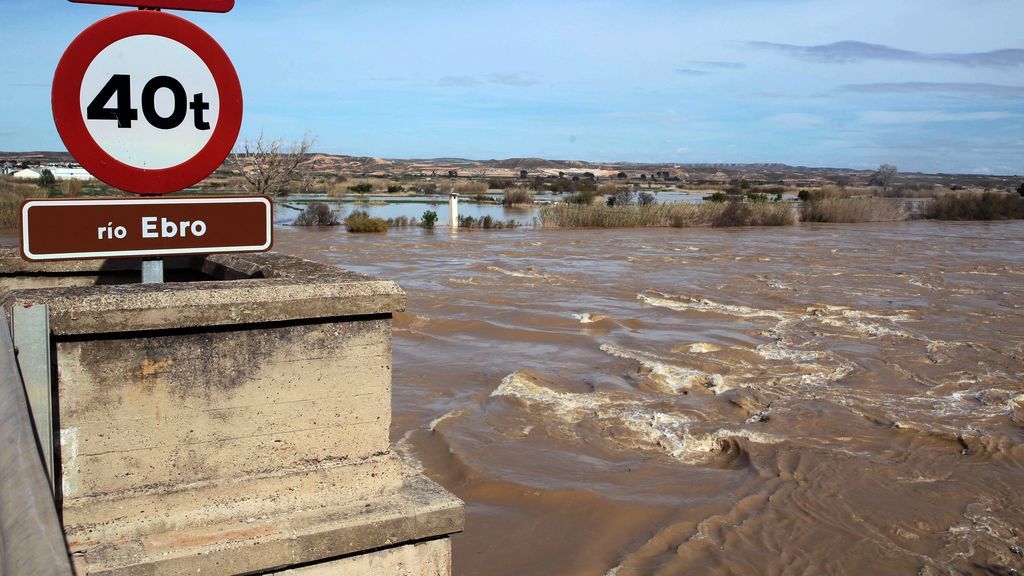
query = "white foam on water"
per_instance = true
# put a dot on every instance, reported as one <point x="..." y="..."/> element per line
<point x="675" y="378"/>
<point x="704" y="348"/>
<point x="704" y="305"/>
<point x="446" y="416"/>
<point x="588" y="318"/>
<point x="517" y="274"/>
<point x="652" y="430"/>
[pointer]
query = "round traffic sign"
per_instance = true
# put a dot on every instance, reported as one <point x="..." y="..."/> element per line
<point x="147" y="102"/>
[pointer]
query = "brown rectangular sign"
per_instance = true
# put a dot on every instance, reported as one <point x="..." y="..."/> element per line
<point x="133" y="227"/>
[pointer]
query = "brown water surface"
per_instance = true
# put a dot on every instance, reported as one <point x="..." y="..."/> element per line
<point x="819" y="399"/>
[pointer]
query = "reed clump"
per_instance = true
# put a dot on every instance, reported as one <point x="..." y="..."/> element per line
<point x="470" y="188"/>
<point x="974" y="206"/>
<point x="760" y="213"/>
<point x="517" y="197"/>
<point x="678" y="215"/>
<point x="862" y="209"/>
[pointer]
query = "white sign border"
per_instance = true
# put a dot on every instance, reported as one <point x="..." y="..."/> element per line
<point x="26" y="249"/>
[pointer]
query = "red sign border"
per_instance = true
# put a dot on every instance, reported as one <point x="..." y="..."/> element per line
<point x="67" y="112"/>
<point x="220" y="6"/>
<point x="23" y="231"/>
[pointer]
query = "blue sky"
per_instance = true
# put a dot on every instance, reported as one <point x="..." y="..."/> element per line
<point x="934" y="85"/>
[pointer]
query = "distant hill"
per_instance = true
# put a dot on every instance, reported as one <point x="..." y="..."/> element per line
<point x="764" y="173"/>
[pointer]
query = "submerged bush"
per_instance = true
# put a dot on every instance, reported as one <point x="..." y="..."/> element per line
<point x="984" y="206"/>
<point x="582" y="197"/>
<point x="361" y="188"/>
<point x="486" y="223"/>
<point x="360" y="221"/>
<point x="317" y="214"/>
<point x="402" y="222"/>
<point x="517" y="196"/>
<point x="866" y="209"/>
<point x="645" y="199"/>
<point x="429" y="219"/>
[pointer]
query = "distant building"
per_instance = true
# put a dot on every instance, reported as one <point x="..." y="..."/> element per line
<point x="28" y="174"/>
<point x="61" y="173"/>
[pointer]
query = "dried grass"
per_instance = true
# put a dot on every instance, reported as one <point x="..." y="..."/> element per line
<point x="865" y="209"/>
<point x="678" y="215"/>
<point x="517" y="196"/>
<point x="974" y="206"/>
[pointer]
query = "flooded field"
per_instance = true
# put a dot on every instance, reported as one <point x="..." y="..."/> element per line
<point x="833" y="399"/>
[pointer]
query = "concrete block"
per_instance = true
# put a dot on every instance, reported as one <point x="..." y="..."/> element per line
<point x="233" y="420"/>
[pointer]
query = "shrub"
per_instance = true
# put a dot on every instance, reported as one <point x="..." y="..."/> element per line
<point x="970" y="206"/>
<point x="617" y="195"/>
<point x="361" y="188"/>
<point x="582" y="197"/>
<point x="763" y="213"/>
<point x="865" y="209"/>
<point x="645" y="199"/>
<point x="46" y="180"/>
<point x="317" y="214"/>
<point x="718" y="197"/>
<point x="429" y="219"/>
<point x="1020" y="189"/>
<point x="427" y="188"/>
<point x="517" y="196"/>
<point x="395" y="188"/>
<point x="804" y="195"/>
<point x="361" y="222"/>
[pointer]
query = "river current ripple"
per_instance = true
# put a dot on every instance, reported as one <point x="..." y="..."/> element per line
<point x="818" y="399"/>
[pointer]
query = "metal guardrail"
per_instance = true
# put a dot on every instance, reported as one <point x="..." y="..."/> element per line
<point x="31" y="537"/>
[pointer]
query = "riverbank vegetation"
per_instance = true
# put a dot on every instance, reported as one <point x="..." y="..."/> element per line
<point x="486" y="223"/>
<point x="865" y="209"/>
<point x="983" y="206"/>
<point x="517" y="196"/>
<point x="678" y="215"/>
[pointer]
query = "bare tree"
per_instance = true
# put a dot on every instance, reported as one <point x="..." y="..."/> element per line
<point x="883" y="177"/>
<point x="269" y="166"/>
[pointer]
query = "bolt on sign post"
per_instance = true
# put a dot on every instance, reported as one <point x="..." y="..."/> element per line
<point x="148" y="103"/>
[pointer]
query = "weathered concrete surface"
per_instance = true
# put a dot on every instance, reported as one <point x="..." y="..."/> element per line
<point x="168" y="410"/>
<point x="432" y="558"/>
<point x="263" y="288"/>
<point x="234" y="424"/>
<point x="419" y="510"/>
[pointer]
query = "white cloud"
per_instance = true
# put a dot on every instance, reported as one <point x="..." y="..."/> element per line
<point x="929" y="116"/>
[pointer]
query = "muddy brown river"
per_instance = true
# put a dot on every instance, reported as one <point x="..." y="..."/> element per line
<point x="820" y="399"/>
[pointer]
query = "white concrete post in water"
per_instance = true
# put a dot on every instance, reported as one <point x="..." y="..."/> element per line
<point x="453" y="205"/>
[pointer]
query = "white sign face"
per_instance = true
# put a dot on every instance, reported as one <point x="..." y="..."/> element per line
<point x="149" y="102"/>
